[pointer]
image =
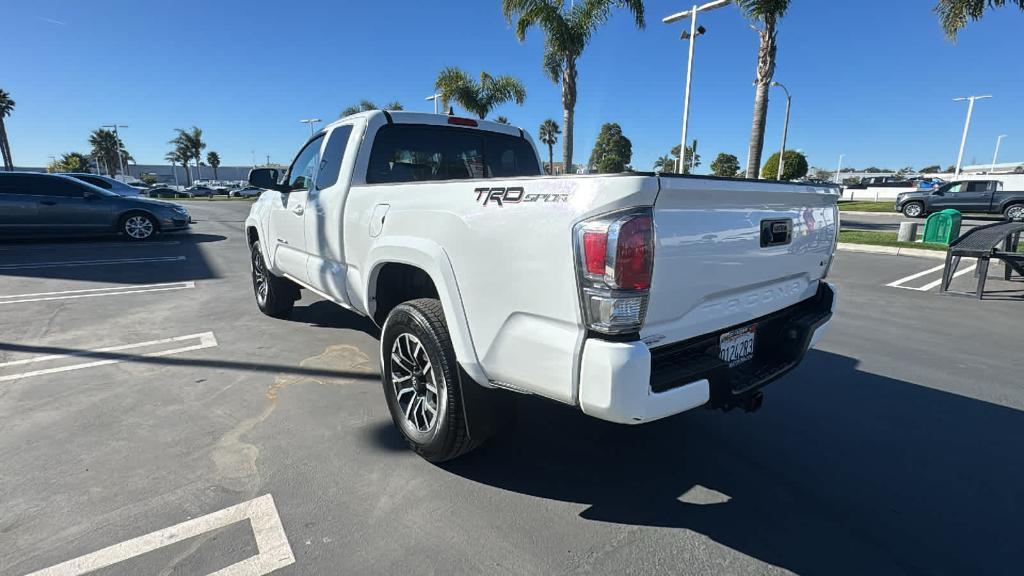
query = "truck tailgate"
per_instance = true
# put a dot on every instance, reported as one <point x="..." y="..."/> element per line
<point x="714" y="265"/>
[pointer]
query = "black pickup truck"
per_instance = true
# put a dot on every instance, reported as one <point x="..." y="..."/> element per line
<point x="980" y="196"/>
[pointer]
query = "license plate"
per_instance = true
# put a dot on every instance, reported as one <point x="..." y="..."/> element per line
<point x="737" y="347"/>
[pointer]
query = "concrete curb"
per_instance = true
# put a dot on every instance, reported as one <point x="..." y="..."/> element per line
<point x="891" y="250"/>
<point x="861" y="213"/>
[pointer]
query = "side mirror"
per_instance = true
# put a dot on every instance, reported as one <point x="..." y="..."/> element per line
<point x="266" y="178"/>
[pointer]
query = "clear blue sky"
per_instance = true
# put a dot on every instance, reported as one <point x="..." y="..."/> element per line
<point x="876" y="84"/>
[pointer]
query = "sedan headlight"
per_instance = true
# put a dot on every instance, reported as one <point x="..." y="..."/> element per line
<point x="180" y="209"/>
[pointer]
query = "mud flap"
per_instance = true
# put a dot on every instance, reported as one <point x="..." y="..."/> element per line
<point x="486" y="410"/>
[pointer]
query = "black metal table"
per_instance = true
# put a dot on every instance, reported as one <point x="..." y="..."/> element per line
<point x="982" y="243"/>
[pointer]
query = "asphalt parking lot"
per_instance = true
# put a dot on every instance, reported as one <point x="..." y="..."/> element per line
<point x="152" y="421"/>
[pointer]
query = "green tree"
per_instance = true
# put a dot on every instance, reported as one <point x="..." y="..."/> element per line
<point x="725" y="165"/>
<point x="931" y="169"/>
<point x="567" y="27"/>
<point x="70" y="162"/>
<point x="106" y="149"/>
<point x="189" y="145"/>
<point x="213" y="159"/>
<point x="548" y="134"/>
<point x="478" y="97"/>
<point x="951" y="169"/>
<point x="502" y="120"/>
<point x="954" y="14"/>
<point x="148" y="179"/>
<point x="765" y="15"/>
<point x="175" y="158"/>
<point x="665" y="164"/>
<point x="6" y="109"/>
<point x="796" y="166"/>
<point x="691" y="161"/>
<point x="367" y="105"/>
<point x="612" y="150"/>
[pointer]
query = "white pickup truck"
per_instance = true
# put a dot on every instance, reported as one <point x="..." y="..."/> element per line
<point x="632" y="297"/>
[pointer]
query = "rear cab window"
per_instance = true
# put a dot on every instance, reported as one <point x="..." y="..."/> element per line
<point x="421" y="153"/>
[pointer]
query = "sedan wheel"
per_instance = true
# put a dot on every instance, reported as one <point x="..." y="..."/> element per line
<point x="139" y="227"/>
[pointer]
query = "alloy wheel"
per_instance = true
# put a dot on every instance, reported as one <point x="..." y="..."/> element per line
<point x="416" y="386"/>
<point x="138" y="227"/>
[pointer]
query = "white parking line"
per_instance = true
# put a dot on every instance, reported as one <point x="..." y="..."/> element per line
<point x="958" y="274"/>
<point x="74" y="263"/>
<point x="94" y="292"/>
<point x="206" y="340"/>
<point x="271" y="542"/>
<point x="898" y="283"/>
<point x="70" y="245"/>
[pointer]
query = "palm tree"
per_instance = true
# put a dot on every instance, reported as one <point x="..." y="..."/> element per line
<point x="189" y="145"/>
<point x="175" y="158"/>
<point x="953" y="14"/>
<point x="548" y="134"/>
<point x="478" y="97"/>
<point x="213" y="159"/>
<point x="367" y="105"/>
<point x="665" y="164"/>
<point x="106" y="148"/>
<point x="568" y="28"/>
<point x="765" y="15"/>
<point x="6" y="108"/>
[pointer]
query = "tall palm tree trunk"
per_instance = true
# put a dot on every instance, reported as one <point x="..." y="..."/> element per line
<point x="765" y="73"/>
<point x="551" y="158"/>
<point x="569" y="105"/>
<point x="5" y="148"/>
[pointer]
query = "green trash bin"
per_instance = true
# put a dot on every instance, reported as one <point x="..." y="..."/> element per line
<point x="943" y="227"/>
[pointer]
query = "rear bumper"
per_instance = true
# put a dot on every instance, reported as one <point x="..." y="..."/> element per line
<point x="628" y="383"/>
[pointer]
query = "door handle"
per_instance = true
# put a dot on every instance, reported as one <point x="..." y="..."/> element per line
<point x="47" y="202"/>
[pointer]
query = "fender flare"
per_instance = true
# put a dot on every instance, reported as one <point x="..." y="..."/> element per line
<point x="432" y="259"/>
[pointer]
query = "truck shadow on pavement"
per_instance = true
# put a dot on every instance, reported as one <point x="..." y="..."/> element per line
<point x="176" y="257"/>
<point x="843" y="471"/>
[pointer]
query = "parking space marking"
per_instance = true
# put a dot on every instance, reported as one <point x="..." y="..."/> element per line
<point x="94" y="292"/>
<point x="73" y="263"/>
<point x="52" y="246"/>
<point x="271" y="542"/>
<point x="206" y="340"/>
<point x="900" y="283"/>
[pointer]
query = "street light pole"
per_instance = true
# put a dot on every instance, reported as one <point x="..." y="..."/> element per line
<point x="967" y="127"/>
<point x="312" y="122"/>
<point x="996" y="157"/>
<point x="435" y="98"/>
<point x="692" y="37"/>
<point x="785" y="130"/>
<point x="839" y="171"/>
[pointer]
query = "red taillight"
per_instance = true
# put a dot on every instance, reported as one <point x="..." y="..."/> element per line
<point x="634" y="260"/>
<point x="595" y="248"/>
<point x="462" y="121"/>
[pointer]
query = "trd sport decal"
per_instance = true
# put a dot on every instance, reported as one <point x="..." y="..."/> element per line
<point x="514" y="195"/>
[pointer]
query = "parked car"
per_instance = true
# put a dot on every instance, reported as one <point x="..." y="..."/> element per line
<point x="163" y="192"/>
<point x="488" y="278"/>
<point x="33" y="204"/>
<point x="199" y="191"/>
<point x="247" y="192"/>
<point x="984" y="196"/>
<point x="107" y="183"/>
<point x="881" y="182"/>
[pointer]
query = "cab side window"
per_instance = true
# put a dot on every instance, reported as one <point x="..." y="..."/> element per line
<point x="334" y="154"/>
<point x="978" y="187"/>
<point x="303" y="170"/>
<point x="955" y="188"/>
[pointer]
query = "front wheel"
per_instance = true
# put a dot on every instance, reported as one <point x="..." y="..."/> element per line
<point x="275" y="296"/>
<point x="138" y="226"/>
<point x="913" y="210"/>
<point x="421" y="381"/>
<point x="1015" y="212"/>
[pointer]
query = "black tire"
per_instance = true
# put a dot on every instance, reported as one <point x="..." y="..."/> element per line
<point x="275" y="296"/>
<point x="913" y="210"/>
<point x="138" y="226"/>
<point x="1014" y="212"/>
<point x="447" y="436"/>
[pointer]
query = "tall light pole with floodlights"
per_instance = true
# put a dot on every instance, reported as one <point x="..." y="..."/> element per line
<point x="839" y="171"/>
<point x="692" y="37"/>
<point x="435" y="98"/>
<point x="785" y="130"/>
<point x="995" y="158"/>
<point x="312" y="124"/>
<point x="967" y="127"/>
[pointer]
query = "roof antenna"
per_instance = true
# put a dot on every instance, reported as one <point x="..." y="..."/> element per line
<point x="451" y="111"/>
